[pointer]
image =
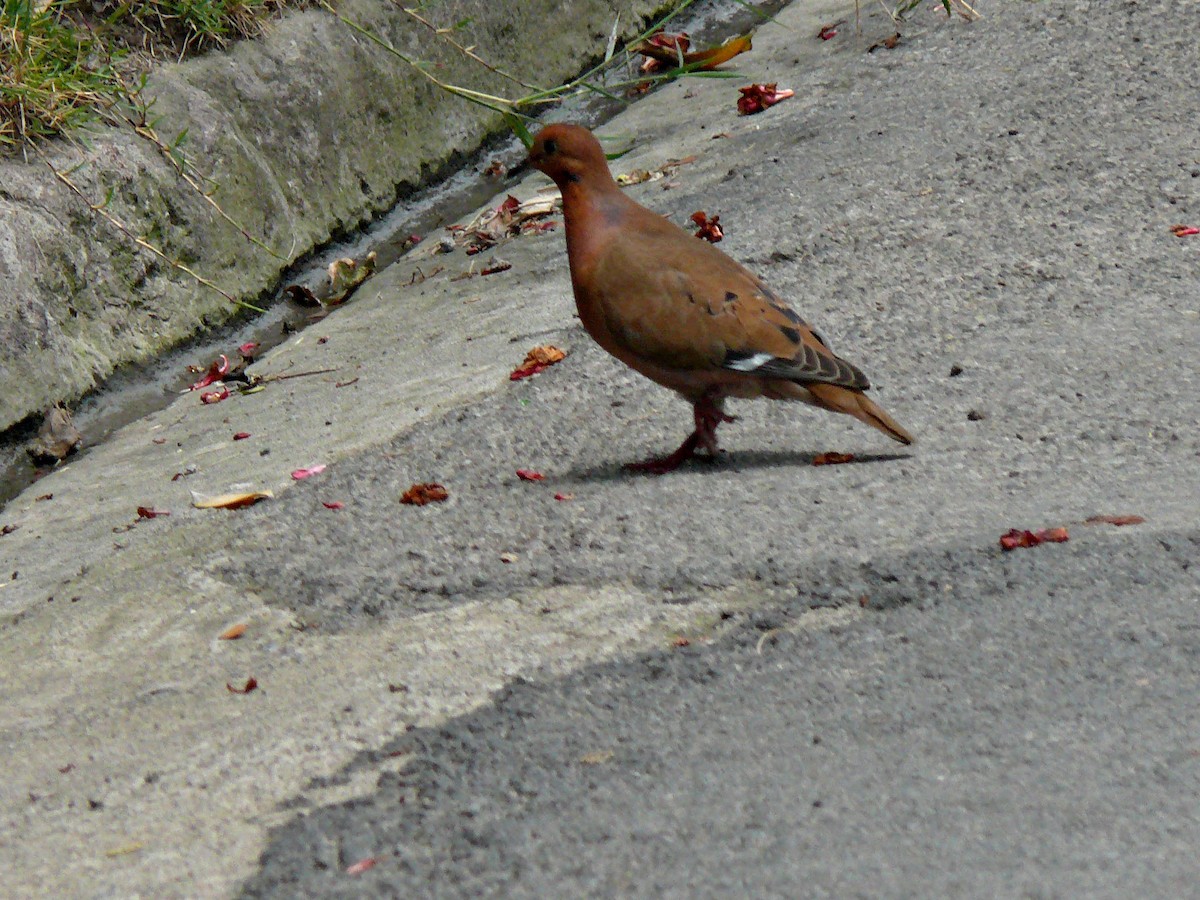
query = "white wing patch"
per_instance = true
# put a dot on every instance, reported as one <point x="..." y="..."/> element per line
<point x="750" y="363"/>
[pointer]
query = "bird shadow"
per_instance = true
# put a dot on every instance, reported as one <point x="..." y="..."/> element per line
<point x="736" y="461"/>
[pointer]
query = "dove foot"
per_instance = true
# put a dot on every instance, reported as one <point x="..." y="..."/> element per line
<point x="708" y="415"/>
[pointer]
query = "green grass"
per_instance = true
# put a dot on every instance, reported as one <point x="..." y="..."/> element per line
<point x="63" y="62"/>
<point x="50" y="80"/>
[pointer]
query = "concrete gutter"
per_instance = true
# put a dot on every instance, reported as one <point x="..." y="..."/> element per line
<point x="306" y="135"/>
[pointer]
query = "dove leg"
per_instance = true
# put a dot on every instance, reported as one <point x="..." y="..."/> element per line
<point x="708" y="415"/>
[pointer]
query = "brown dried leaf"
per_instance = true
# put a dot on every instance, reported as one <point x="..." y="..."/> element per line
<point x="1113" y="520"/>
<point x="1016" y="538"/>
<point x="537" y="360"/>
<point x="425" y="492"/>
<point x="233" y="632"/>
<point x="56" y="439"/>
<point x="888" y="43"/>
<point x="250" y="685"/>
<point x="832" y="458"/>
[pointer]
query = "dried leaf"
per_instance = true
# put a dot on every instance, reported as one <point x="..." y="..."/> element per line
<point x="669" y="50"/>
<point x="302" y="295"/>
<point x="596" y="757"/>
<point x="708" y="229"/>
<point x="1011" y="540"/>
<point x="250" y="685"/>
<point x="422" y="493"/>
<point x="333" y="504"/>
<point x="715" y="56"/>
<point x="758" y="97"/>
<point x="346" y="274"/>
<point x="638" y="176"/>
<point x="218" y="370"/>
<point x="309" y="472"/>
<point x="1113" y="520"/>
<point x="832" y="459"/>
<point x="210" y="397"/>
<point x="495" y="265"/>
<point x="510" y="218"/>
<point x="149" y="512"/>
<point x="681" y="641"/>
<point x="43" y="497"/>
<point x="496" y="169"/>
<point x="888" y="43"/>
<point x="1184" y="230"/>
<point x="230" y="501"/>
<point x="662" y="49"/>
<point x="530" y="475"/>
<point x="507" y="558"/>
<point x="233" y="632"/>
<point x="57" y="438"/>
<point x="125" y="850"/>
<point x="537" y="360"/>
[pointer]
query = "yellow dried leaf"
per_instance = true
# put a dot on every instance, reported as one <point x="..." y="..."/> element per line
<point x="596" y="757"/>
<point x="230" y="501"/>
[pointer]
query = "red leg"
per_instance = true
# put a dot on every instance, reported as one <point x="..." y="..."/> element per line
<point x="708" y="415"/>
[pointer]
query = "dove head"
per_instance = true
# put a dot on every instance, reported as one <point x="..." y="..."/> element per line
<point x="569" y="154"/>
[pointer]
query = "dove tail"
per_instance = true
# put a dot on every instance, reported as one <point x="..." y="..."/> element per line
<point x="857" y="404"/>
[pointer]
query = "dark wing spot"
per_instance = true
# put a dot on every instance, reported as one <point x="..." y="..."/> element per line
<point x="789" y="313"/>
<point x="791" y="334"/>
<point x="730" y="296"/>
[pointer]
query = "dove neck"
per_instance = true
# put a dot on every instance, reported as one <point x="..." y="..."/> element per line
<point x="592" y="208"/>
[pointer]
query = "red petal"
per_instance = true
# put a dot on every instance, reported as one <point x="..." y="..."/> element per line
<point x="530" y="475"/>
<point x="249" y="348"/>
<point x="215" y="396"/>
<point x="301" y="474"/>
<point x="149" y="512"/>
<point x="241" y="435"/>
<point x="362" y="865"/>
<point x="250" y="685"/>
<point x="218" y="370"/>
<point x="333" y="504"/>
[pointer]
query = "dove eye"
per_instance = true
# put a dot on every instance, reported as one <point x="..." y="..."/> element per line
<point x="551" y="146"/>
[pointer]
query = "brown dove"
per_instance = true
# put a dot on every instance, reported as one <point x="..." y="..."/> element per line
<point x="681" y="312"/>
